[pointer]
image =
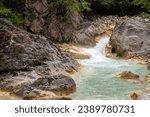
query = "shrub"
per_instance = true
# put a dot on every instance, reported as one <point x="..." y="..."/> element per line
<point x="15" y="17"/>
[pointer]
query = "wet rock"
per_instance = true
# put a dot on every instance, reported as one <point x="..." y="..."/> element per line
<point x="140" y="95"/>
<point x="27" y="87"/>
<point x="136" y="95"/>
<point x="108" y="51"/>
<point x="130" y="38"/>
<point x="145" y="78"/>
<point x="148" y="66"/>
<point x="147" y="90"/>
<point x="127" y="75"/>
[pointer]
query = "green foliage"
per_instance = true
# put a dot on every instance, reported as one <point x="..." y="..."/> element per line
<point x="15" y="17"/>
<point x="120" y="7"/>
<point x="12" y="14"/>
<point x="144" y="3"/>
<point x="74" y="5"/>
<point x="145" y="15"/>
<point x="141" y="3"/>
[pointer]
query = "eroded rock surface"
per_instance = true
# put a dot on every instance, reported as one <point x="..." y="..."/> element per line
<point x="29" y="86"/>
<point x="20" y="50"/>
<point x="29" y="62"/>
<point x="41" y="19"/>
<point x="131" y="38"/>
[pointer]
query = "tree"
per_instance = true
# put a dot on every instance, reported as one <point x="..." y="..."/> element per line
<point x="74" y="5"/>
<point x="144" y="3"/>
<point x="11" y="9"/>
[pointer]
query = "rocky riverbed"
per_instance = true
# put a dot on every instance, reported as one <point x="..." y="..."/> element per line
<point x="37" y="58"/>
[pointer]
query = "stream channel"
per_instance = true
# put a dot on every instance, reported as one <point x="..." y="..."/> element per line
<point x="96" y="80"/>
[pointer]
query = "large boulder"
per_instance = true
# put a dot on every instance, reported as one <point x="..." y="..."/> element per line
<point x="20" y="50"/>
<point x="131" y="38"/>
<point x="30" y="65"/>
<point x="29" y="85"/>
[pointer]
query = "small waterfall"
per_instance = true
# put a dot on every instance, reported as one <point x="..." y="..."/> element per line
<point x="96" y="80"/>
<point x="97" y="53"/>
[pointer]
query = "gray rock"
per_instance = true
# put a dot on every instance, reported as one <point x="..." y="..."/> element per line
<point x="37" y="87"/>
<point x="131" y="37"/>
<point x="70" y="27"/>
<point x="35" y="11"/>
<point x="20" y="50"/>
<point x="31" y="67"/>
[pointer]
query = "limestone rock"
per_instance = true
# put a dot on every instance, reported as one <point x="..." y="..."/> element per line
<point x="127" y="75"/>
<point x="28" y="87"/>
<point x="30" y="65"/>
<point x="136" y="95"/>
<point x="147" y="90"/>
<point x="148" y="64"/>
<point x="20" y="50"/>
<point x="146" y="78"/>
<point x="41" y="6"/>
<point x="79" y="55"/>
<point x="35" y="11"/>
<point x="140" y="95"/>
<point x="60" y="84"/>
<point x="131" y="38"/>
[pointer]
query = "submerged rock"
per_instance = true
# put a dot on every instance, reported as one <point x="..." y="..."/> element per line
<point x="148" y="66"/>
<point x="145" y="78"/>
<point x="136" y="95"/>
<point x="127" y="75"/>
<point x="140" y="95"/>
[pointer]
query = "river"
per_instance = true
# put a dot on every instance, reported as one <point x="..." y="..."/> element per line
<point x="97" y="80"/>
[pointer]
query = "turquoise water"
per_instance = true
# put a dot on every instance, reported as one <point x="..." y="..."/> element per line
<point x="97" y="80"/>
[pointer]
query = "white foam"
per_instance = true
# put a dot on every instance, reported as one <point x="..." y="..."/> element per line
<point x="97" y="53"/>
